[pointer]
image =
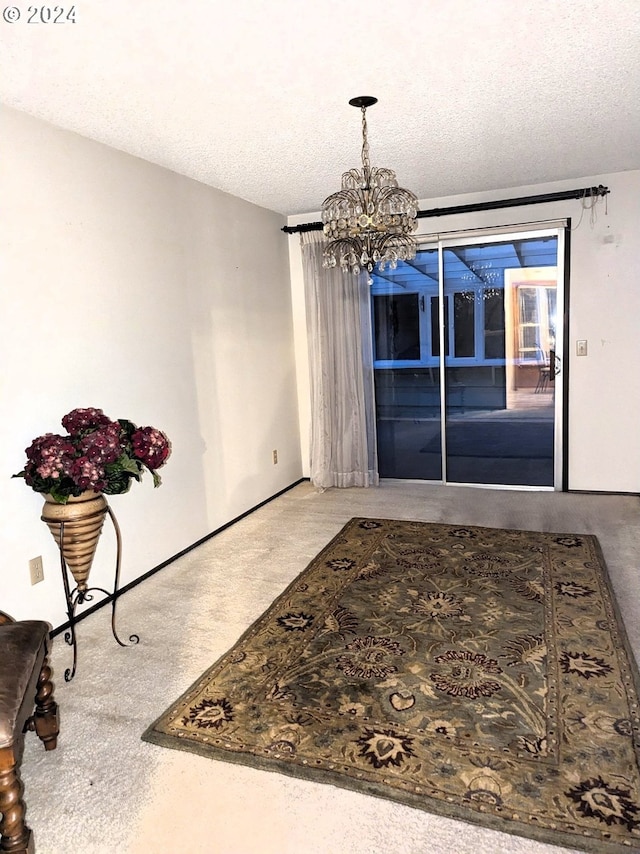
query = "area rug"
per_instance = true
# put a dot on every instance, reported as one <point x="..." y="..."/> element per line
<point x="529" y="440"/>
<point x="477" y="673"/>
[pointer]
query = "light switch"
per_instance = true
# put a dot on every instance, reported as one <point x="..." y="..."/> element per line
<point x="581" y="348"/>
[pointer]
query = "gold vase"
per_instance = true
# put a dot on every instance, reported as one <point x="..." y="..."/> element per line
<point x="83" y="517"/>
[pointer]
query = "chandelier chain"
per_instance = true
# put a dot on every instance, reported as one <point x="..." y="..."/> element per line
<point x="366" y="165"/>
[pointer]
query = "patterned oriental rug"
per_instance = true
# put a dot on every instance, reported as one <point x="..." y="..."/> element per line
<point x="477" y="673"/>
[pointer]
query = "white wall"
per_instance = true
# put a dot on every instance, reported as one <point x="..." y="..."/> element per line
<point x="127" y="287"/>
<point x="604" y="403"/>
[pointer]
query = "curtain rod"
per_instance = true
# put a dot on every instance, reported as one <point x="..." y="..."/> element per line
<point x="563" y="195"/>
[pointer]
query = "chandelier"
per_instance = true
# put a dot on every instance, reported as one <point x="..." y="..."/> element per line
<point x="370" y="220"/>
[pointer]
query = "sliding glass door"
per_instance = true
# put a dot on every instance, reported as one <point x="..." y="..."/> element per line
<point x="466" y="339"/>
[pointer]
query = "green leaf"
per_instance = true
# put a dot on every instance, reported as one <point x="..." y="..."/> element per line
<point x="117" y="483"/>
<point x="157" y="480"/>
<point x="127" y="427"/>
<point x="58" y="497"/>
<point x="126" y="463"/>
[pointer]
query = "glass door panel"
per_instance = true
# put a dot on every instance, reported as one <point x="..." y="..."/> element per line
<point x="499" y="401"/>
<point x="405" y="308"/>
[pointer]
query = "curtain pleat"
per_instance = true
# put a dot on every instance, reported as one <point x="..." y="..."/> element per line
<point x="343" y="428"/>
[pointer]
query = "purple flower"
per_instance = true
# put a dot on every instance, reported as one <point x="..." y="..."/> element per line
<point x="104" y="445"/>
<point x="49" y="456"/>
<point x="87" y="475"/>
<point x="82" y="420"/>
<point x="98" y="454"/>
<point x="150" y="446"/>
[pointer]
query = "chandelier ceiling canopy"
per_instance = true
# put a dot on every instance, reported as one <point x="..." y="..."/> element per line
<point x="370" y="220"/>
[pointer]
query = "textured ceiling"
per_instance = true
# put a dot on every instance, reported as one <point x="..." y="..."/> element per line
<point x="252" y="96"/>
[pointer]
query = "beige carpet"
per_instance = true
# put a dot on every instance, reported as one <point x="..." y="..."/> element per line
<point x="104" y="790"/>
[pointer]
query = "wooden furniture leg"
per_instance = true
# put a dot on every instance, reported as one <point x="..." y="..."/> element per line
<point x="15" y="835"/>
<point x="45" y="718"/>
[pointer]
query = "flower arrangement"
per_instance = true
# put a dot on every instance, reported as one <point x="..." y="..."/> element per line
<point x="97" y="454"/>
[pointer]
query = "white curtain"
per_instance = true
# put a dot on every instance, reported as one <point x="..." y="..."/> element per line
<point x="343" y="422"/>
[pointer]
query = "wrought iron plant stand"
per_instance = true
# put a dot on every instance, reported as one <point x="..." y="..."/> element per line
<point x="77" y="540"/>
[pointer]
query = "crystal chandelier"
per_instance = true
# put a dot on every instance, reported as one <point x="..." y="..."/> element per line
<point x="370" y="220"/>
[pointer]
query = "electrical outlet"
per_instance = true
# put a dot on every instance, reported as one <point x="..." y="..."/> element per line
<point x="36" y="569"/>
<point x="275" y="458"/>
